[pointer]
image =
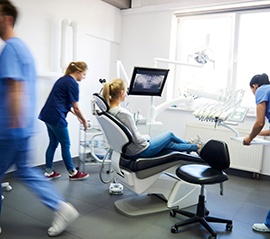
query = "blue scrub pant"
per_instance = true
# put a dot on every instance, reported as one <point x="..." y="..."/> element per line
<point x="267" y="220"/>
<point x="165" y="141"/>
<point x="17" y="152"/>
<point x="58" y="135"/>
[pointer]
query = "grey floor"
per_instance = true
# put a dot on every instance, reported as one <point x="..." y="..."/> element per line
<point x="245" y="201"/>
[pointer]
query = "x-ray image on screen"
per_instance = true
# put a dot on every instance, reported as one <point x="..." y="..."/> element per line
<point x="148" y="81"/>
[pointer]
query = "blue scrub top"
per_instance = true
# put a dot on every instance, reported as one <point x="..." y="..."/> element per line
<point x="17" y="63"/>
<point x="263" y="94"/>
<point x="64" y="92"/>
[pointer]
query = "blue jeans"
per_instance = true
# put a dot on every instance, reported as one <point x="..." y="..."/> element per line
<point x="267" y="220"/>
<point x="18" y="152"/>
<point x="58" y="135"/>
<point x="166" y="141"/>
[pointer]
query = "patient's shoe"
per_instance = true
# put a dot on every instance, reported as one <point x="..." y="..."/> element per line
<point x="62" y="219"/>
<point x="260" y="227"/>
<point x="200" y="146"/>
<point x="195" y="140"/>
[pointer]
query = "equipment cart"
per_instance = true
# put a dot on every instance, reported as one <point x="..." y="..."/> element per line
<point x="94" y="150"/>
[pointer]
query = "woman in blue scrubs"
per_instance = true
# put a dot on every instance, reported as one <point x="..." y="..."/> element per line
<point x="63" y="98"/>
<point x="260" y="86"/>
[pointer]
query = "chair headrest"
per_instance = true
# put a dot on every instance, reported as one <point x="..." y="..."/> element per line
<point x="101" y="102"/>
<point x="216" y="154"/>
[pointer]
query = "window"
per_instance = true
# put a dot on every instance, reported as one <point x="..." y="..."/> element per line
<point x="253" y="51"/>
<point x="237" y="46"/>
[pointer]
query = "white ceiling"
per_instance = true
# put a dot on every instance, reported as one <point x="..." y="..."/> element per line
<point x="126" y="4"/>
<point x="121" y="4"/>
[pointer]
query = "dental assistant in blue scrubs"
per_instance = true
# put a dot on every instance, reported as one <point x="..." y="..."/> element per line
<point x="63" y="99"/>
<point x="260" y="86"/>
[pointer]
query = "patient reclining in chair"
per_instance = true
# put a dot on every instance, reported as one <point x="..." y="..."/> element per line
<point x="143" y="146"/>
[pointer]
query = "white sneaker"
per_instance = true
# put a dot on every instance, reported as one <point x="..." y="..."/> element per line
<point x="260" y="227"/>
<point x="62" y="219"/>
<point x="195" y="140"/>
<point x="200" y="149"/>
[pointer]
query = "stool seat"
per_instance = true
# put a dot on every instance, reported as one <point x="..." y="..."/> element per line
<point x="201" y="174"/>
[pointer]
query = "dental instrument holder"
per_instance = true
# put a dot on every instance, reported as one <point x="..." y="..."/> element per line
<point x="231" y="121"/>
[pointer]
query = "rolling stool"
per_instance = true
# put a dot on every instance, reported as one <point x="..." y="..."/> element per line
<point x="216" y="155"/>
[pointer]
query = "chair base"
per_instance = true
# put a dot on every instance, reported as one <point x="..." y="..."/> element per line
<point x="181" y="195"/>
<point x="140" y="205"/>
<point x="201" y="216"/>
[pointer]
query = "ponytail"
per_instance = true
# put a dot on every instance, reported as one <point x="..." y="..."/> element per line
<point x="106" y="92"/>
<point x="259" y="80"/>
<point x="111" y="90"/>
<point x="76" y="66"/>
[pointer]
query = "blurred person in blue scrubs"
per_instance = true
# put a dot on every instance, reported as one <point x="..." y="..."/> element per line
<point x="17" y="117"/>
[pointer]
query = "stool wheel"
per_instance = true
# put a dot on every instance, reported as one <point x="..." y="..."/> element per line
<point x="172" y="213"/>
<point x="174" y="229"/>
<point x="229" y="227"/>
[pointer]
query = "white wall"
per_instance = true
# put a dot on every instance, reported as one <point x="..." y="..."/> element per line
<point x="146" y="34"/>
<point x="99" y="34"/>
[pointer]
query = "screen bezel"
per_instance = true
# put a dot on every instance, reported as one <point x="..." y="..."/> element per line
<point x="147" y="71"/>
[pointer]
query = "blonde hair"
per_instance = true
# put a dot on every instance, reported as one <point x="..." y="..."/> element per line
<point x="76" y="66"/>
<point x="111" y="90"/>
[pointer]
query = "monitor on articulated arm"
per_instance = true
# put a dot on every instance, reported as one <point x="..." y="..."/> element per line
<point x="147" y="81"/>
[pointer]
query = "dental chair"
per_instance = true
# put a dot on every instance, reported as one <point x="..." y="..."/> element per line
<point x="152" y="179"/>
